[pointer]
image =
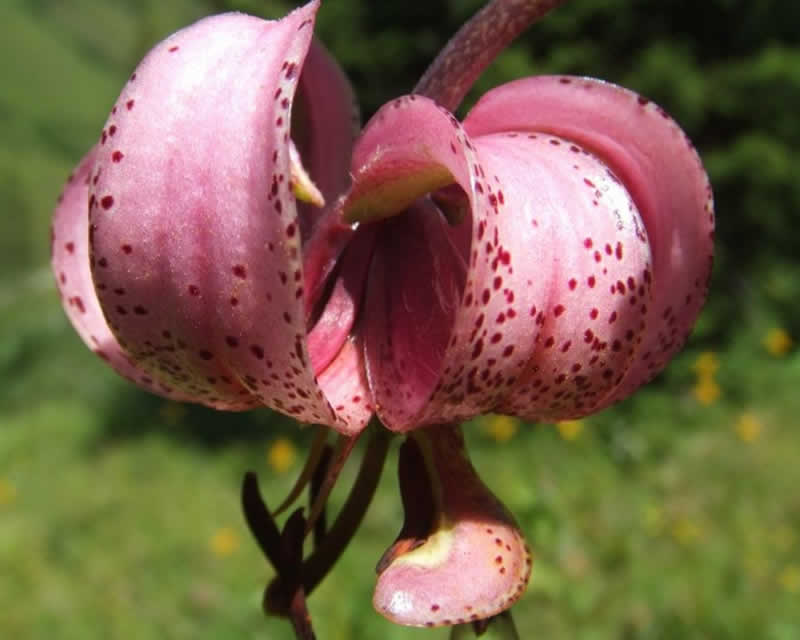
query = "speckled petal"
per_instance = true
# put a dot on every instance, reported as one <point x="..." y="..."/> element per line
<point x="70" y="262"/>
<point x="569" y="281"/>
<point x="194" y="218"/>
<point x="461" y="559"/>
<point x="659" y="167"/>
<point x="337" y="360"/>
<point x="410" y="147"/>
<point x="415" y="283"/>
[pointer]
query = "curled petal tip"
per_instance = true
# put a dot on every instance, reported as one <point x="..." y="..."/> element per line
<point x="196" y="196"/>
<point x="460" y="556"/>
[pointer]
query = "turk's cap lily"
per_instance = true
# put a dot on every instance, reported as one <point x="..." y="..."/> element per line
<point x="544" y="258"/>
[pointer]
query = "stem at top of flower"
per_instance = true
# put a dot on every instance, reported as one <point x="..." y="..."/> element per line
<point x="451" y="75"/>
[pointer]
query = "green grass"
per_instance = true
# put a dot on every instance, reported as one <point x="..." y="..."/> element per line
<point x="657" y="522"/>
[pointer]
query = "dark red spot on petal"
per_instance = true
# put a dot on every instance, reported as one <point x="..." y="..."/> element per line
<point x="257" y="351"/>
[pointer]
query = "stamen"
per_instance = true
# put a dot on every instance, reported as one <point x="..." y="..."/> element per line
<point x="303" y="187"/>
<point x="307" y="473"/>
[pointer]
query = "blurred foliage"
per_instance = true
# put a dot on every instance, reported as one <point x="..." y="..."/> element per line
<point x="673" y="516"/>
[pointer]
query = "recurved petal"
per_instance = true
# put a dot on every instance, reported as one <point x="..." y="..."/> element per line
<point x="415" y="284"/>
<point x="659" y="167"/>
<point x="70" y="263"/>
<point x="419" y="269"/>
<point x="196" y="222"/>
<point x="570" y="277"/>
<point x="460" y="556"/>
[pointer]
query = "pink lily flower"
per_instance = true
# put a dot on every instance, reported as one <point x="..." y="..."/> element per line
<point x="232" y="240"/>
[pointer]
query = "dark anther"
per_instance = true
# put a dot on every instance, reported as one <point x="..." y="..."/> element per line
<point x="259" y="521"/>
<point x="480" y="626"/>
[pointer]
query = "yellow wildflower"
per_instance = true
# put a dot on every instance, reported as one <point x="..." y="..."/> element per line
<point x="8" y="492"/>
<point x="789" y="578"/>
<point x="569" y="429"/>
<point x="281" y="455"/>
<point x="748" y="427"/>
<point x="224" y="542"/>
<point x="501" y="428"/>
<point x="777" y="342"/>
<point x="706" y="391"/>
<point x="706" y="364"/>
<point x="653" y="518"/>
<point x="686" y="532"/>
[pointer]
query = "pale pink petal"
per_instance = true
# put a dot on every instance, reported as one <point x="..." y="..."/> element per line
<point x="70" y="262"/>
<point x="415" y="283"/>
<point x="660" y="168"/>
<point x="337" y="360"/>
<point x="460" y="556"/>
<point x="344" y="382"/>
<point x="570" y="280"/>
<point x="418" y="273"/>
<point x="195" y="219"/>
<point x="339" y="311"/>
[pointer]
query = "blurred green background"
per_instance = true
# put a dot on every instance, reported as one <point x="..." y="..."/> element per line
<point x="673" y="515"/>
